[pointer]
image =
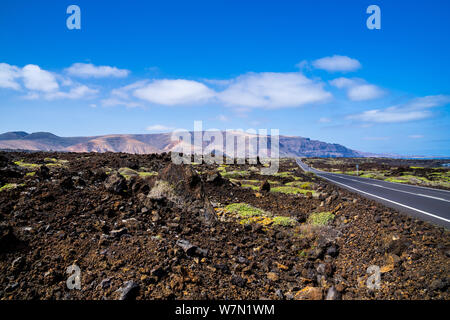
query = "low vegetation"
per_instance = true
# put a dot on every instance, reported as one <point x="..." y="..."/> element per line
<point x="127" y="173"/>
<point x="11" y="186"/>
<point x="245" y="210"/>
<point x="292" y="190"/>
<point x="26" y="165"/>
<point x="320" y="218"/>
<point x="250" y="214"/>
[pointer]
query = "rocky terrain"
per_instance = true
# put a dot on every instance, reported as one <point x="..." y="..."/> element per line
<point x="140" y="227"/>
<point x="157" y="143"/>
<point x="421" y="172"/>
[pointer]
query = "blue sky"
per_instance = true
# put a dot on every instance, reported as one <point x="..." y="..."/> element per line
<point x="308" y="68"/>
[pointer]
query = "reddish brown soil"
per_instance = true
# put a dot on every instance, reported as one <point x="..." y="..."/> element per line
<point x="77" y="215"/>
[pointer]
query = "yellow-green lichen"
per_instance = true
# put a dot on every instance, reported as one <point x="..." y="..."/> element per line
<point x="320" y="218"/>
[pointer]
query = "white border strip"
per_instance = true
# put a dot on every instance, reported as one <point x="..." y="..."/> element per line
<point x="381" y="186"/>
<point x="394" y="202"/>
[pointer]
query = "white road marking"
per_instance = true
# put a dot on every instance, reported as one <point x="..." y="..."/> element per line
<point x="394" y="202"/>
<point x="388" y="200"/>
<point x="390" y="182"/>
<point x="437" y="198"/>
<point x="380" y="186"/>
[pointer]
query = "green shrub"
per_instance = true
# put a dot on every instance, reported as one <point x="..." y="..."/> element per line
<point x="235" y="174"/>
<point x="284" y="221"/>
<point x="27" y="165"/>
<point x="147" y="174"/>
<point x="320" y="218"/>
<point x="10" y="186"/>
<point x="245" y="210"/>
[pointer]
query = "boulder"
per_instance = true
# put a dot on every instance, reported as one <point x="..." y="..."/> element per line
<point x="116" y="183"/>
<point x="189" y="187"/>
<point x="214" y="178"/>
<point x="265" y="186"/>
<point x="43" y="172"/>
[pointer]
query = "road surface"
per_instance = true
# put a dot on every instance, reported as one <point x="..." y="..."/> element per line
<point x="427" y="204"/>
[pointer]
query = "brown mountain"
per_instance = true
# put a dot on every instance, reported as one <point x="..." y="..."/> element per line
<point x="156" y="143"/>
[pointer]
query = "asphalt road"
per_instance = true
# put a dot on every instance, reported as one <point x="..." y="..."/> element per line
<point x="427" y="204"/>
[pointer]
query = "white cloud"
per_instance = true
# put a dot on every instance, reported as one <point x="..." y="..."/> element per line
<point x="390" y="115"/>
<point x="121" y="96"/>
<point x="8" y="76"/>
<point x="124" y="92"/>
<point x="415" y="136"/>
<point x="415" y="109"/>
<point x="174" y="92"/>
<point x="159" y="127"/>
<point x="41" y="83"/>
<point x="337" y="63"/>
<point x="37" y="79"/>
<point x="33" y="77"/>
<point x="358" y="89"/>
<point x="364" y="92"/>
<point x="78" y="92"/>
<point x="273" y="90"/>
<point x="252" y="90"/>
<point x="324" y="120"/>
<point x="429" y="102"/>
<point x="303" y="65"/>
<point x="112" y="102"/>
<point x="88" y="70"/>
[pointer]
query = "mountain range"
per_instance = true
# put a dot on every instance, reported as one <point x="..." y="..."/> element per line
<point x="290" y="146"/>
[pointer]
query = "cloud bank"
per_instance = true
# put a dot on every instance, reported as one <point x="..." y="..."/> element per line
<point x="358" y="89"/>
<point x="415" y="109"/>
<point x="337" y="64"/>
<point x="39" y="83"/>
<point x="88" y="70"/>
<point x="273" y="90"/>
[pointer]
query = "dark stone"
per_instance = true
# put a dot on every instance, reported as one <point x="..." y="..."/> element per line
<point x="397" y="247"/>
<point x="315" y="253"/>
<point x="158" y="272"/>
<point x="238" y="281"/>
<point x="333" y="251"/>
<point x="105" y="283"/>
<point x="214" y="178"/>
<point x="265" y="186"/>
<point x="119" y="232"/>
<point x="222" y="267"/>
<point x="8" y="240"/>
<point x="116" y="183"/>
<point x="43" y="172"/>
<point x="187" y="247"/>
<point x="439" y="285"/>
<point x="67" y="183"/>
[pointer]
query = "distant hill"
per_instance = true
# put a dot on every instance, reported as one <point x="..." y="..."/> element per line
<point x="160" y="142"/>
